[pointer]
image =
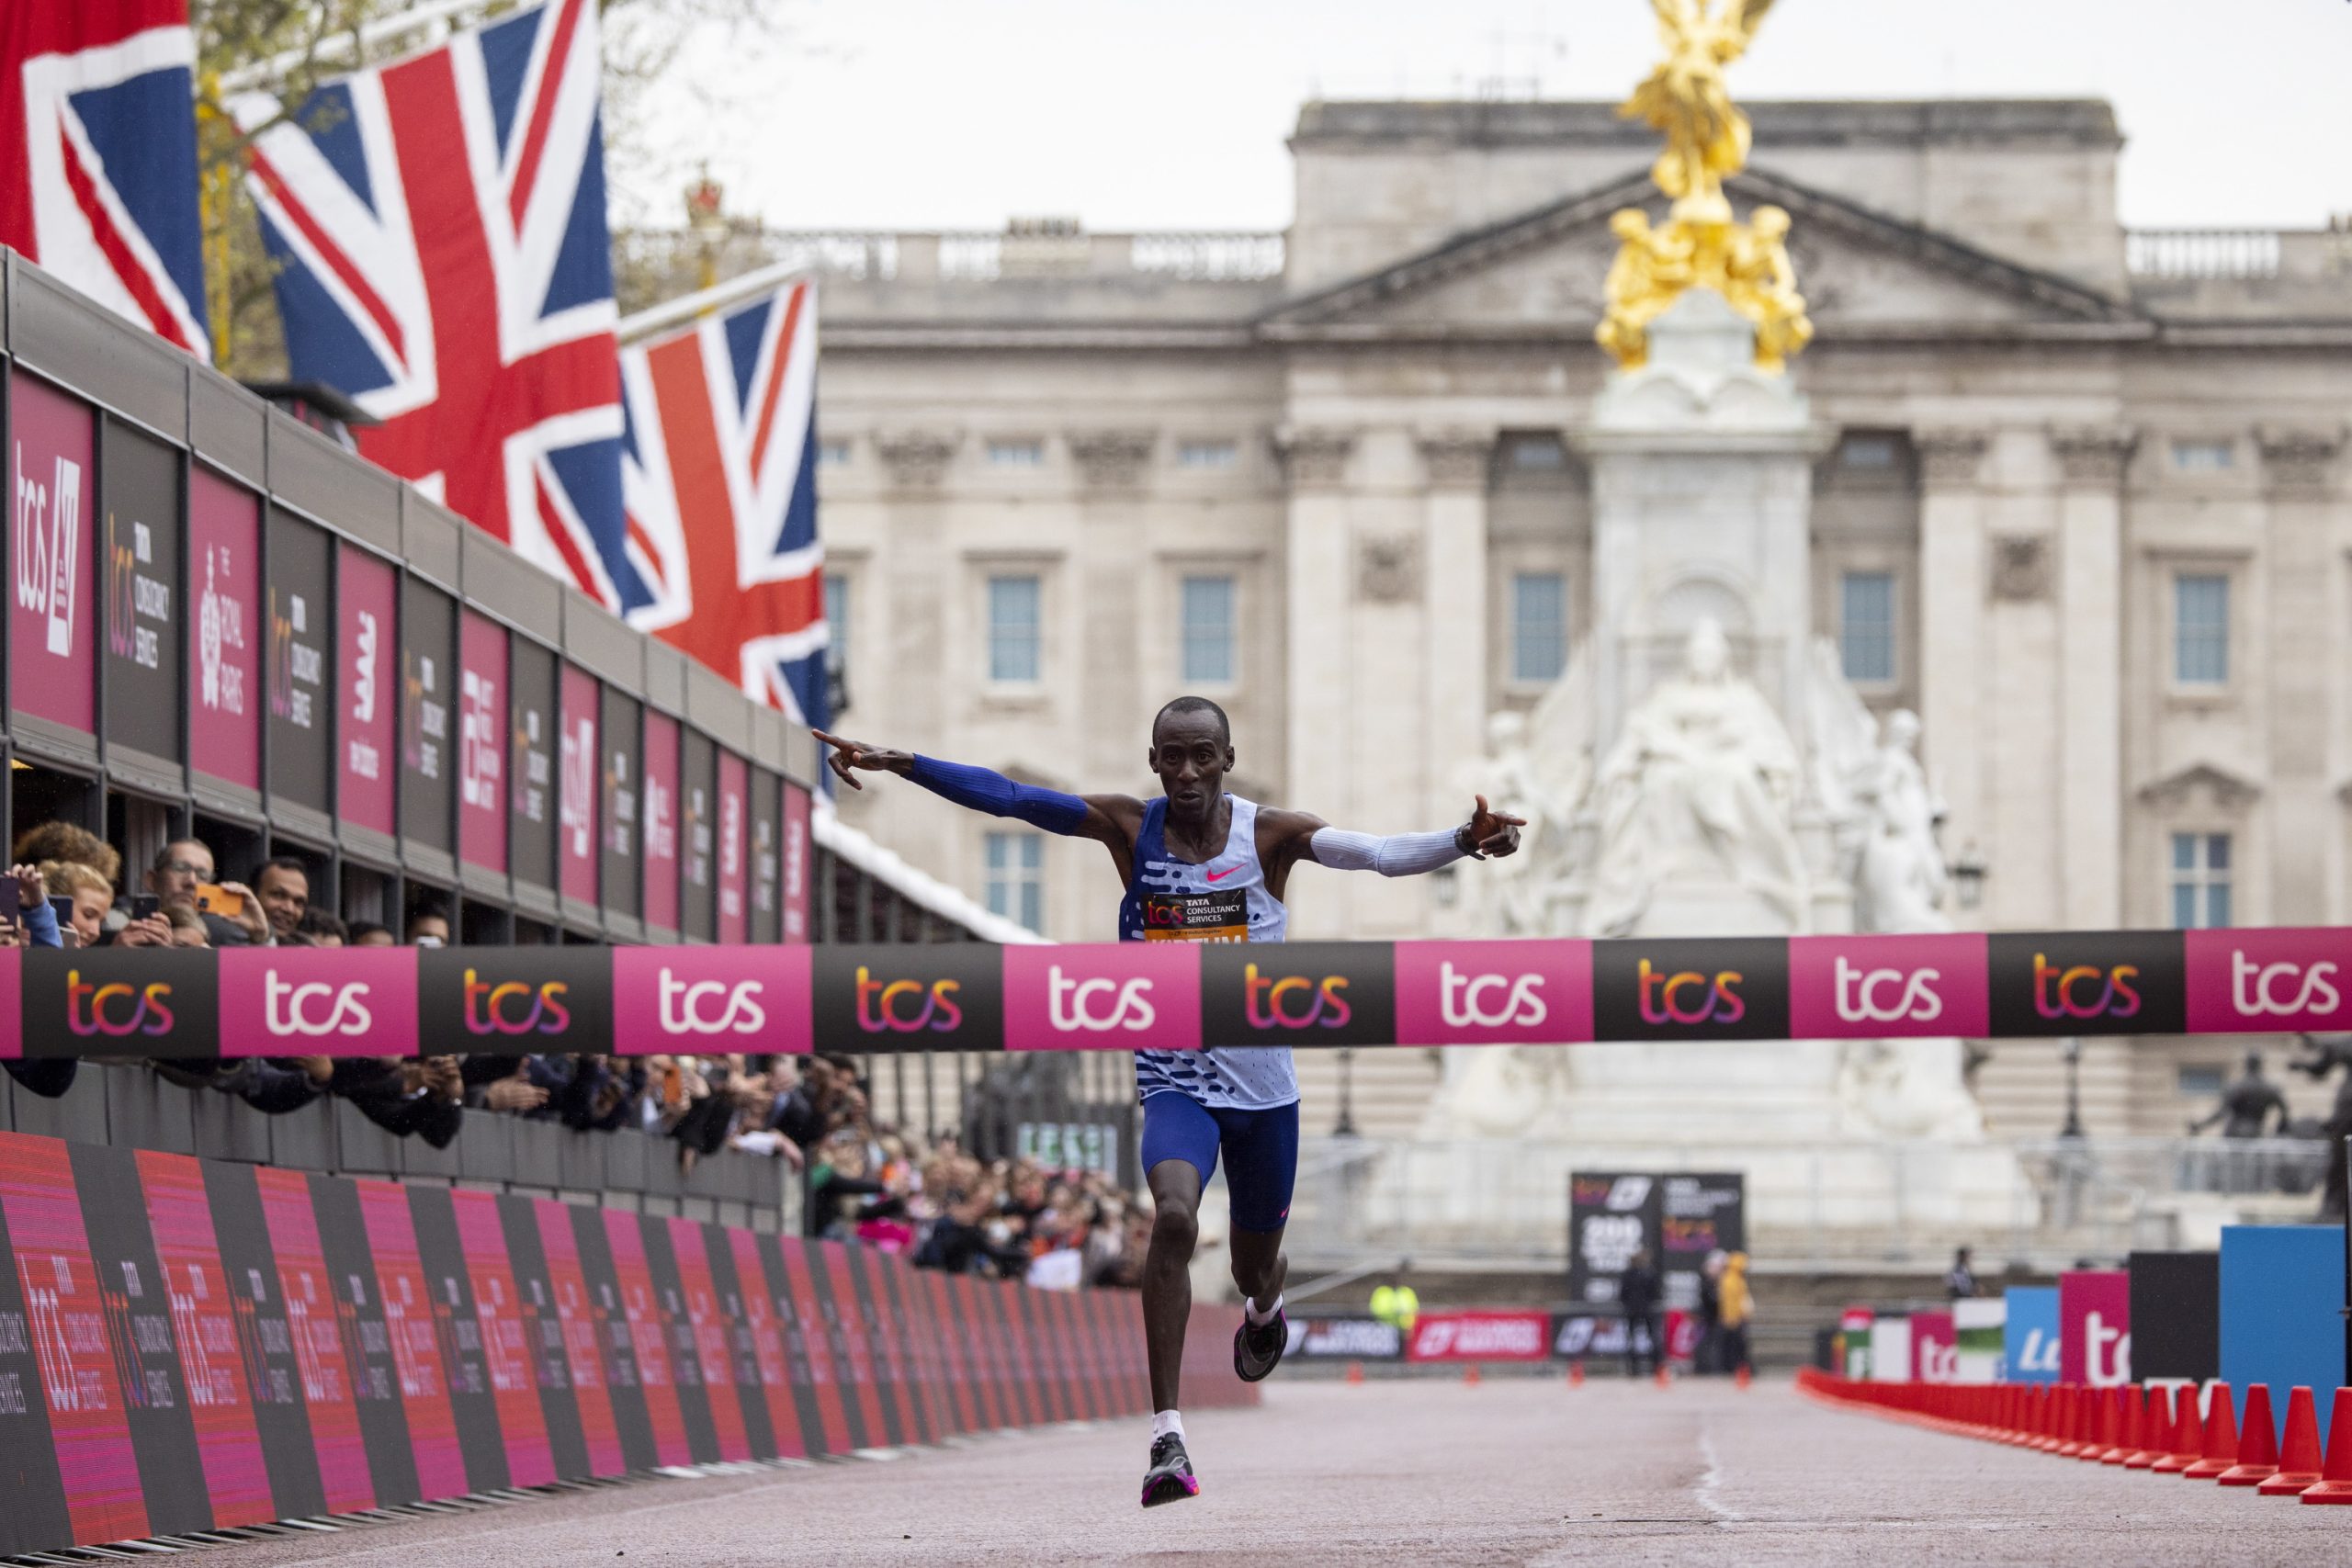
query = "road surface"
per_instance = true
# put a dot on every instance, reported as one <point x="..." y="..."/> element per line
<point x="1513" y="1471"/>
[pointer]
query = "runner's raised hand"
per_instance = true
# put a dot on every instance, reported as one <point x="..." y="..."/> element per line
<point x="1491" y="832"/>
<point x="848" y="754"/>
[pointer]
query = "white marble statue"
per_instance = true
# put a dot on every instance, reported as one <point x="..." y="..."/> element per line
<point x="1538" y="766"/>
<point x="1700" y="786"/>
<point x="1885" y="813"/>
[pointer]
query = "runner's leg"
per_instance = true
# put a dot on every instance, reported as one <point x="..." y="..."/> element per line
<point x="1260" y="1150"/>
<point x="1179" y="1140"/>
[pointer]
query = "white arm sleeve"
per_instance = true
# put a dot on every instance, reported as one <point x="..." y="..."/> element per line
<point x="1399" y="854"/>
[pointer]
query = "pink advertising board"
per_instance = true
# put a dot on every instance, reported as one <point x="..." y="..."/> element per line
<point x="734" y="848"/>
<point x="1876" y="987"/>
<point x="662" y="820"/>
<point x="1493" y="993"/>
<point x="799" y="866"/>
<point x="294" y="1001"/>
<point x="2251" y="981"/>
<point x="482" y="700"/>
<point x="367" y="639"/>
<point x="224" y="635"/>
<point x="1935" y="1348"/>
<point x="52" y="500"/>
<point x="576" y="794"/>
<point x="2094" y="1327"/>
<point x="1132" y="996"/>
<point x="711" y="999"/>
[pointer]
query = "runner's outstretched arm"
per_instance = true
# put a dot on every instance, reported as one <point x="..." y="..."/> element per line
<point x="1107" y="818"/>
<point x="1300" y="836"/>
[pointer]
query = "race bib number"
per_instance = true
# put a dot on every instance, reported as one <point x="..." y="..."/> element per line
<point x="1197" y="917"/>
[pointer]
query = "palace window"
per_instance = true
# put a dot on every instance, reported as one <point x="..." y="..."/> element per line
<point x="2203" y="456"/>
<point x="1539" y="625"/>
<point x="2200" y="629"/>
<point x="1016" y="878"/>
<point x="1207" y="454"/>
<point x="837" y="624"/>
<point x="2198" y="1080"/>
<point x="1018" y="454"/>
<point x="1866" y="628"/>
<point x="2200" y="880"/>
<point x="1873" y="453"/>
<point x="1536" y="454"/>
<point x="1207" y="631"/>
<point x="1015" y="629"/>
<point x="832" y="453"/>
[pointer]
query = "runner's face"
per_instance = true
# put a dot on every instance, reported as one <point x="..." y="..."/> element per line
<point x="1191" y="759"/>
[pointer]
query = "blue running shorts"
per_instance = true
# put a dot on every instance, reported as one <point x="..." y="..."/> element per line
<point x="1261" y="1152"/>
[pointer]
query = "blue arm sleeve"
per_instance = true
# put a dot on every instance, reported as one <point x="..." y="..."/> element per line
<point x="983" y="789"/>
<point x="40" y="925"/>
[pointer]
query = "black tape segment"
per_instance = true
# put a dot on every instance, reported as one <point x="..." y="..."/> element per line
<point x="456" y="1328"/>
<point x="135" y="1294"/>
<point x="526" y="1256"/>
<point x="33" y="1515"/>
<point x="623" y="1382"/>
<point x="366" y="1341"/>
<point x="743" y="1350"/>
<point x="264" y="1340"/>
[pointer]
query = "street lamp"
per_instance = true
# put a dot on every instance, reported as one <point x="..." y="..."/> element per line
<point x="1345" y="1127"/>
<point x="1967" y="876"/>
<point x="2070" y="1051"/>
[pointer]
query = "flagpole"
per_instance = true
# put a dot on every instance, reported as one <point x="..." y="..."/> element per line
<point x="677" y="312"/>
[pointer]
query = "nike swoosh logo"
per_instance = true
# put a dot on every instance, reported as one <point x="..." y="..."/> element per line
<point x="1221" y="875"/>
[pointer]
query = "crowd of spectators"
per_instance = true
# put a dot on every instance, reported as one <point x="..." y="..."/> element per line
<point x="866" y="1179"/>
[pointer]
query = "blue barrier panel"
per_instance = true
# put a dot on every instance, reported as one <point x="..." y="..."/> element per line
<point x="2283" y="1300"/>
<point x="2029" y="1338"/>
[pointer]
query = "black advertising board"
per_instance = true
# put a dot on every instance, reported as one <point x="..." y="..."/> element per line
<point x="767" y="916"/>
<point x="1611" y="1216"/>
<point x="698" y="836"/>
<point x="2176" y="1315"/>
<point x="516" y="1000"/>
<point x="1345" y="1339"/>
<point x="621" y="795"/>
<point x="2087" y="983"/>
<point x="299" y="672"/>
<point x="119" y="1001"/>
<point x="1317" y="993"/>
<point x="428" y="697"/>
<point x="947" y="996"/>
<point x="139" y="483"/>
<point x="1697" y="1214"/>
<point x="530" y="839"/>
<point x="1715" y="988"/>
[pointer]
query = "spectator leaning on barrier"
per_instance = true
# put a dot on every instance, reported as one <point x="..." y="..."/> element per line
<point x="367" y="933"/>
<point x="184" y="865"/>
<point x="92" y="893"/>
<point x="283" y="885"/>
<point x="429" y="927"/>
<point x="188" y="929"/>
<point x="36" y="926"/>
<point x="65" y="841"/>
<point x="323" y="930"/>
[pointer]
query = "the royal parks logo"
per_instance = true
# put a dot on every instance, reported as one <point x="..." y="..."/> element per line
<point x="947" y="996"/>
<point x="100" y="1001"/>
<point x="515" y="1000"/>
<point x="2087" y="983"/>
<point x="1299" y="993"/>
<point x="1735" y="988"/>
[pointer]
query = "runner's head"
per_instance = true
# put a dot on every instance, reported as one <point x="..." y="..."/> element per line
<point x="1191" y="747"/>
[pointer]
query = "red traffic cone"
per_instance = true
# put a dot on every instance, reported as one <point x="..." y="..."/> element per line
<point x="2049" y="1415"/>
<point x="2257" y="1441"/>
<point x="2155" y="1429"/>
<point x="1664" y="1381"/>
<point x="2336" y="1475"/>
<point x="2298" y="1455"/>
<point x="1355" y="1371"/>
<point x="1576" y="1374"/>
<point x="1744" y="1376"/>
<point x="1470" y="1375"/>
<point x="2184" y="1444"/>
<point x="2122" y="1422"/>
<point x="2219" y="1447"/>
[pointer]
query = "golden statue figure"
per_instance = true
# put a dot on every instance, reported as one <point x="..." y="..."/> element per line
<point x="1687" y="98"/>
<point x="1699" y="246"/>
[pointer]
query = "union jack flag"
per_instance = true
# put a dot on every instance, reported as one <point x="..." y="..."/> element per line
<point x="439" y="226"/>
<point x="97" y="155"/>
<point x="719" y="467"/>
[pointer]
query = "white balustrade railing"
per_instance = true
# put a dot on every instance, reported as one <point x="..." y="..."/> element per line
<point x="2202" y="252"/>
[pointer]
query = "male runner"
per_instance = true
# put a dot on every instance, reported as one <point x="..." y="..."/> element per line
<point x="1211" y="867"/>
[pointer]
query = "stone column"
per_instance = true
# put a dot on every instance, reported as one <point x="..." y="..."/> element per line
<point x="1953" y="579"/>
<point x="1456" y="463"/>
<point x="1319" y="690"/>
<point x="2091" y="460"/>
<point x="2298" y="469"/>
<point x="917" y="583"/>
<point x="1110" y="575"/>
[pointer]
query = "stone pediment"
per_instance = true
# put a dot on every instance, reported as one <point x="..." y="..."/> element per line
<point x="2200" y="783"/>
<point x="1862" y="273"/>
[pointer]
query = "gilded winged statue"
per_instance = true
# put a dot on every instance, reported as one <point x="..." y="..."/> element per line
<point x="1687" y="100"/>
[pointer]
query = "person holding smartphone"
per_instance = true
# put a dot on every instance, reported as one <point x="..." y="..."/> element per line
<point x="182" y="876"/>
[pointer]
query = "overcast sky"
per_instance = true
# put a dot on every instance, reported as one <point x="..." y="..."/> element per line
<point x="925" y="114"/>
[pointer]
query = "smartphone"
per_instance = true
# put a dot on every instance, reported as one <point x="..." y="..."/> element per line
<point x="63" y="904"/>
<point x="145" y="906"/>
<point x="11" y="898"/>
<point x="211" y="898"/>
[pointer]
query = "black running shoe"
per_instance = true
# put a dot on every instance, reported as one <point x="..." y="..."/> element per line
<point x="1171" y="1477"/>
<point x="1257" y="1349"/>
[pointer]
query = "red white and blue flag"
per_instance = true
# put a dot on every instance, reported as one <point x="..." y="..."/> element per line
<point x="719" y="466"/>
<point x="97" y="155"/>
<point x="444" y="260"/>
